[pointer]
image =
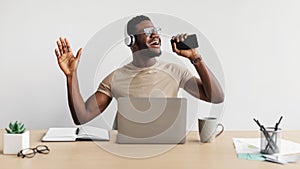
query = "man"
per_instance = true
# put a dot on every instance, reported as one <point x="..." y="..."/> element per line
<point x="145" y="76"/>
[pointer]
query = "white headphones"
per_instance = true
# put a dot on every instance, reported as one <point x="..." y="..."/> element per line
<point x="129" y="40"/>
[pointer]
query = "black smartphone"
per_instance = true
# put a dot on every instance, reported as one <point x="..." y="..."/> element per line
<point x="189" y="43"/>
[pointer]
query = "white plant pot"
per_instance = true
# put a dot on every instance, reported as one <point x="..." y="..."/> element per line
<point x="13" y="143"/>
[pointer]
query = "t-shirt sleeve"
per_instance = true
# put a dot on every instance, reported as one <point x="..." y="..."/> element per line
<point x="105" y="85"/>
<point x="185" y="75"/>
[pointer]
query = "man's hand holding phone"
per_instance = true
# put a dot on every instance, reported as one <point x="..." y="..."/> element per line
<point x="185" y="45"/>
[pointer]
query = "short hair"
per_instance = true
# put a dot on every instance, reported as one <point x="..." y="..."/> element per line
<point x="131" y="25"/>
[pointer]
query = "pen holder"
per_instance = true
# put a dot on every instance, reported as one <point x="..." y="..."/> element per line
<point x="270" y="141"/>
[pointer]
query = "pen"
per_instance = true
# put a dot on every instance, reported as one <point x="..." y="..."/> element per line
<point x="257" y="122"/>
<point x="276" y="125"/>
<point x="275" y="129"/>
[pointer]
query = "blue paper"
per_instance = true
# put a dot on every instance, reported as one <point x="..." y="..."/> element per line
<point x="251" y="156"/>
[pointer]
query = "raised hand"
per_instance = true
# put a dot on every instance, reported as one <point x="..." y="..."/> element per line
<point x="190" y="53"/>
<point x="66" y="60"/>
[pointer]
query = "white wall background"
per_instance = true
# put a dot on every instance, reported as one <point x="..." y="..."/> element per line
<point x="256" y="41"/>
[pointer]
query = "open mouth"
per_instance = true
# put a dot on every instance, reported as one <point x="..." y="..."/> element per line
<point x="155" y="43"/>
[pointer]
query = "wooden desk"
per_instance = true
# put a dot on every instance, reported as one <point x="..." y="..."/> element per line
<point x="193" y="154"/>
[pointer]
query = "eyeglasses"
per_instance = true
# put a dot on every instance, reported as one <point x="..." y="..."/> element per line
<point x="30" y="152"/>
<point x="149" y="31"/>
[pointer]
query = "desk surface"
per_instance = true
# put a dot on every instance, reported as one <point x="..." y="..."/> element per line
<point x="193" y="154"/>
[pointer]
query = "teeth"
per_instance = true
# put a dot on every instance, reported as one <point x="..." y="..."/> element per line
<point x="154" y="43"/>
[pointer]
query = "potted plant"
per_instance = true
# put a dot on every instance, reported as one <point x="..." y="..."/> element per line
<point x="16" y="138"/>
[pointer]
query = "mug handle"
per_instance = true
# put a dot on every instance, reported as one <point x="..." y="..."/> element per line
<point x="220" y="132"/>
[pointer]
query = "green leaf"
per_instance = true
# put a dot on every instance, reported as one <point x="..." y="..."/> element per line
<point x="8" y="131"/>
<point x="19" y="127"/>
<point x="22" y="126"/>
<point x="11" y="126"/>
<point x="15" y="126"/>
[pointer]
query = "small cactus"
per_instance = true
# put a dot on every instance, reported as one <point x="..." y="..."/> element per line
<point x="15" y="128"/>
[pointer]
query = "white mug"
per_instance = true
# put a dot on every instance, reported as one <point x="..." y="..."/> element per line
<point x="208" y="129"/>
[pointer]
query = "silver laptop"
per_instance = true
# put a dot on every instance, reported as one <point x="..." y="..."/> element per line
<point x="151" y="120"/>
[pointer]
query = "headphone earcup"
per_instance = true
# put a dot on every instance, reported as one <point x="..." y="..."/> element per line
<point x="129" y="40"/>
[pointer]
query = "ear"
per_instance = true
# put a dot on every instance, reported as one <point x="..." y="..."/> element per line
<point x="134" y="48"/>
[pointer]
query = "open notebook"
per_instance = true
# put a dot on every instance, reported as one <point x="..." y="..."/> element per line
<point x="75" y="134"/>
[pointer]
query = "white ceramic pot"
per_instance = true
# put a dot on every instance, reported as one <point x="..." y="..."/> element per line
<point x="13" y="143"/>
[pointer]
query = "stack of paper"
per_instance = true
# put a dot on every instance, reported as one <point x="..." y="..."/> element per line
<point x="249" y="148"/>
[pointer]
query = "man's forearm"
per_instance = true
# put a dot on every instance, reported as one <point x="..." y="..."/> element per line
<point x="211" y="86"/>
<point x="75" y="100"/>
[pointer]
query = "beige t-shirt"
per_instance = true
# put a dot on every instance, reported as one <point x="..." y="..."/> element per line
<point x="160" y="80"/>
